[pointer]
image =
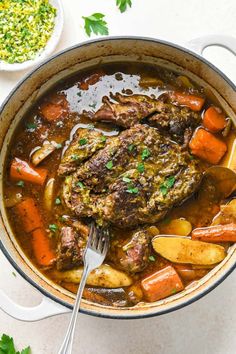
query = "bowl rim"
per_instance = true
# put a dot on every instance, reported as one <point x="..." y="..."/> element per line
<point x="49" y="47"/>
<point x="46" y="293"/>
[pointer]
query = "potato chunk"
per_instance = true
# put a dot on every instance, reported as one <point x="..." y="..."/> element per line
<point x="180" y="227"/>
<point x="184" y="250"/>
<point x="104" y="276"/>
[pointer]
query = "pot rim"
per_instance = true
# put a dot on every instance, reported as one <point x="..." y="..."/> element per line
<point x="9" y="257"/>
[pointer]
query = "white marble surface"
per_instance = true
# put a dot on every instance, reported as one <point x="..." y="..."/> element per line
<point x="207" y="326"/>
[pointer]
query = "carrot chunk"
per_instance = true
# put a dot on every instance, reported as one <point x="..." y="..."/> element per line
<point x="195" y="103"/>
<point x="43" y="252"/>
<point x="187" y="273"/>
<point x="21" y="170"/>
<point x="161" y="284"/>
<point x="91" y="80"/>
<point x="214" y="119"/>
<point x="54" y="108"/>
<point x="207" y="146"/>
<point x="217" y="233"/>
<point x="29" y="214"/>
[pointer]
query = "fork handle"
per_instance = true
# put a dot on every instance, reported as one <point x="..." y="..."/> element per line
<point x="66" y="347"/>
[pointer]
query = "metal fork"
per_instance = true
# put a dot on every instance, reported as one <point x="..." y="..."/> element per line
<point x="94" y="256"/>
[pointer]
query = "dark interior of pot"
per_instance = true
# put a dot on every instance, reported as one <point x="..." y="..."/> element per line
<point x="87" y="58"/>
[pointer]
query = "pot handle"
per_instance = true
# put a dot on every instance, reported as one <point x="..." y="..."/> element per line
<point x="200" y="43"/>
<point x="45" y="309"/>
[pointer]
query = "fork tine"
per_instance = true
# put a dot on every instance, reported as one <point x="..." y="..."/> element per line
<point x="105" y="245"/>
<point x="92" y="233"/>
<point x="100" y="240"/>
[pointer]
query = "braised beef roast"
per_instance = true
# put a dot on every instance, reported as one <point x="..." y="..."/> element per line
<point x="136" y="178"/>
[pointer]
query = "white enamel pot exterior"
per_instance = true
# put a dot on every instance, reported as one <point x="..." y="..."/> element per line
<point x="119" y="49"/>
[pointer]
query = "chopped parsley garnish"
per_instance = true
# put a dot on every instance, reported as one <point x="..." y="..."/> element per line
<point x="83" y="141"/>
<point x="53" y="227"/>
<point x="31" y="126"/>
<point x="63" y="218"/>
<point x="25" y="28"/>
<point x="79" y="94"/>
<point x="126" y="179"/>
<point x="90" y="126"/>
<point x="7" y="346"/>
<point x="14" y="274"/>
<point x="109" y="165"/>
<point x="74" y="157"/>
<point x="80" y="184"/>
<point x="96" y="24"/>
<point x="145" y="154"/>
<point x="140" y="167"/>
<point x="20" y="184"/>
<point x="152" y="258"/>
<point x="191" y="157"/>
<point x="123" y="4"/>
<point x="59" y="146"/>
<point x="131" y="147"/>
<point x="169" y="183"/>
<point x="93" y="105"/>
<point x="57" y="201"/>
<point x="103" y="138"/>
<point x="132" y="190"/>
<point x="173" y="291"/>
<point x="163" y="189"/>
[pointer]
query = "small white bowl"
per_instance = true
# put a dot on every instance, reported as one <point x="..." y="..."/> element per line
<point x="47" y="50"/>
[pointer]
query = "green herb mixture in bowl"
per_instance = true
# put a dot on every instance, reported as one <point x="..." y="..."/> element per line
<point x="29" y="31"/>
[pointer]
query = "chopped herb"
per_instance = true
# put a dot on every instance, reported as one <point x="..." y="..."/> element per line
<point x="80" y="184"/>
<point x="20" y="184"/>
<point x="140" y="167"/>
<point x="74" y="157"/>
<point x="103" y="138"/>
<point x="31" y="126"/>
<point x="62" y="218"/>
<point x="131" y="147"/>
<point x="90" y="126"/>
<point x="173" y="291"/>
<point x="7" y="346"/>
<point x="145" y="154"/>
<point x="96" y="24"/>
<point x="132" y="190"/>
<point x="126" y="179"/>
<point x="18" y="170"/>
<point x="79" y="94"/>
<point x="123" y="4"/>
<point x="152" y="258"/>
<point x="59" y="146"/>
<point x="25" y="28"/>
<point x="14" y="274"/>
<point x="109" y="165"/>
<point x="169" y="182"/>
<point x="57" y="201"/>
<point x="191" y="157"/>
<point x="83" y="141"/>
<point x="53" y="227"/>
<point x="163" y="189"/>
<point x="93" y="105"/>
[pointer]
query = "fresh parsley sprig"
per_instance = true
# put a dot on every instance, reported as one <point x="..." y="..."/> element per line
<point x="96" y="24"/>
<point x="7" y="346"/>
<point x="123" y="4"/>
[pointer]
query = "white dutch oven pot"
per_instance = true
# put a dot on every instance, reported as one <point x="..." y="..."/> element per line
<point x="57" y="300"/>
